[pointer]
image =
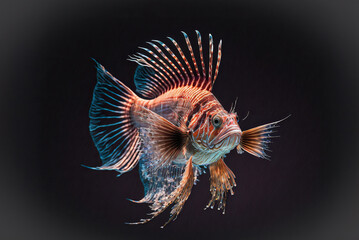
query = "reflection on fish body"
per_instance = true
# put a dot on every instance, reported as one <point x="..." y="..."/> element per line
<point x="175" y="130"/>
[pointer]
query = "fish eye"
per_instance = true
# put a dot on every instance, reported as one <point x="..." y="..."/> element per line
<point x="217" y="121"/>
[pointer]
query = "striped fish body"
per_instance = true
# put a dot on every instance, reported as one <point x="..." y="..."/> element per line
<point x="173" y="130"/>
<point x="192" y="108"/>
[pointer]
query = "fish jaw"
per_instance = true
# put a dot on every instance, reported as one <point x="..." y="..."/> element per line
<point x="229" y="142"/>
<point x="228" y="138"/>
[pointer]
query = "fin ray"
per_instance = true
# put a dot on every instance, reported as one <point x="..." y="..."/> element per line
<point x="166" y="139"/>
<point x="164" y="188"/>
<point x="255" y="140"/>
<point x="111" y="128"/>
<point x="172" y="70"/>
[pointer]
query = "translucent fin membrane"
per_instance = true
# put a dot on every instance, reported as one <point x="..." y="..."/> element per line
<point x="222" y="180"/>
<point x="171" y="69"/>
<point x="167" y="140"/>
<point x="111" y="128"/>
<point x="255" y="140"/>
<point x="180" y="181"/>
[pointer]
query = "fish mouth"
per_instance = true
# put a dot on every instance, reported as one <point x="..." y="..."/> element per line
<point x="230" y="137"/>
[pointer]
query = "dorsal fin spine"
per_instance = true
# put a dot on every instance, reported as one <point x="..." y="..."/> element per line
<point x="154" y="87"/>
<point x="219" y="56"/>
<point x="184" y="59"/>
<point x="169" y="61"/>
<point x="158" y="80"/>
<point x="158" y="69"/>
<point x="210" y="58"/>
<point x="192" y="54"/>
<point x="199" y="39"/>
<point x="149" y="88"/>
<point x="159" y="66"/>
<point x="174" y="57"/>
<point x="164" y="64"/>
<point x="163" y="70"/>
<point x="138" y="60"/>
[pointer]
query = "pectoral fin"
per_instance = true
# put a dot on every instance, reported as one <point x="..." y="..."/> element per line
<point x="255" y="140"/>
<point x="161" y="137"/>
<point x="222" y="180"/>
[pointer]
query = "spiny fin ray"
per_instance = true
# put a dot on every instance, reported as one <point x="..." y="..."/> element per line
<point x="172" y="69"/>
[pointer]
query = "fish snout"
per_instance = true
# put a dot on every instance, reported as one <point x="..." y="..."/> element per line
<point x="228" y="138"/>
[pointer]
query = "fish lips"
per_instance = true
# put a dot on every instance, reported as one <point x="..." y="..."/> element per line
<point x="230" y="135"/>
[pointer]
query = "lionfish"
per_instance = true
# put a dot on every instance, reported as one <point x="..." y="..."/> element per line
<point x="175" y="130"/>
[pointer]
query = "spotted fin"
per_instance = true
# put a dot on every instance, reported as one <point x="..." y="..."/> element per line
<point x="111" y="127"/>
<point x="162" y="68"/>
<point x="255" y="140"/>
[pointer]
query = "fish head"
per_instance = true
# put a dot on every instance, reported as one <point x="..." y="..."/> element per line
<point x="219" y="132"/>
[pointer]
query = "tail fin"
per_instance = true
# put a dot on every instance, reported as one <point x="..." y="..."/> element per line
<point x="255" y="140"/>
<point x="111" y="127"/>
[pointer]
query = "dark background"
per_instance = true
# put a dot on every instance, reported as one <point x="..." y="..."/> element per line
<point x="279" y="58"/>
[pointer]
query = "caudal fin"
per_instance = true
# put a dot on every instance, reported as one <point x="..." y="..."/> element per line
<point x="116" y="138"/>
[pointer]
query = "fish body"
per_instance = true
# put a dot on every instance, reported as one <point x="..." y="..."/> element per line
<point x="174" y="130"/>
<point x="191" y="107"/>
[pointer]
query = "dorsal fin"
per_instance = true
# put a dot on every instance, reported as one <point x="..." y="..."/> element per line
<point x="162" y="68"/>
